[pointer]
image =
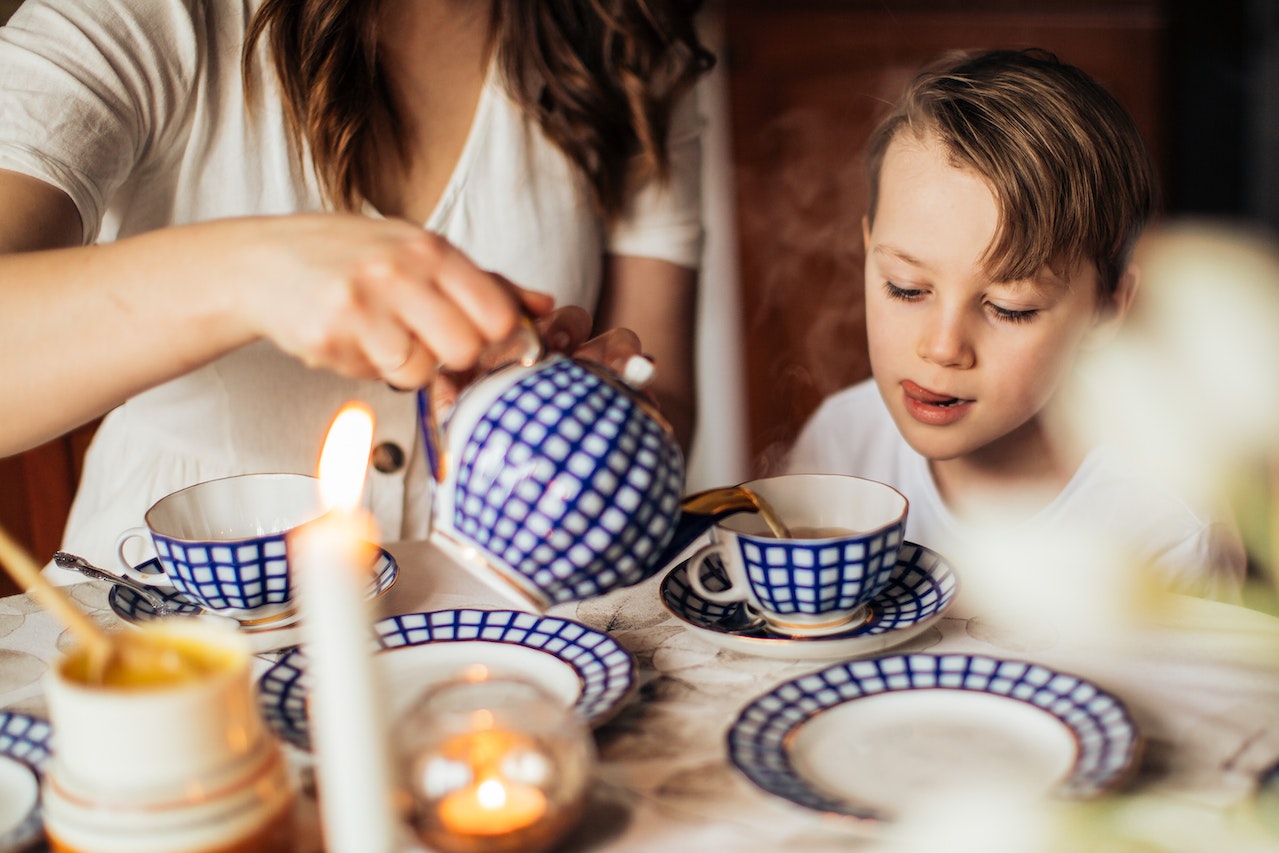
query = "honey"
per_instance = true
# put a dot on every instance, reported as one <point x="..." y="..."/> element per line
<point x="152" y="660"/>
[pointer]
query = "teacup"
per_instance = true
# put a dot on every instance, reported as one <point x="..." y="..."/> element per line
<point x="174" y="759"/>
<point x="222" y="543"/>
<point x="837" y="553"/>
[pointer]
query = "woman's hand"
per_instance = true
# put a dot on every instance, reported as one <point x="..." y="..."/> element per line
<point x="374" y="298"/>
<point x="566" y="330"/>
<point x="366" y="298"/>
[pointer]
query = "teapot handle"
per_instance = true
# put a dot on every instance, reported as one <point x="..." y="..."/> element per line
<point x="524" y="346"/>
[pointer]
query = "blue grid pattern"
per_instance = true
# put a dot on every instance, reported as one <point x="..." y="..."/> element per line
<point x="569" y="483"/>
<point x="25" y="740"/>
<point x="920" y="586"/>
<point x="605" y="669"/>
<point x="132" y="607"/>
<point x="796" y="576"/>
<point x="249" y="574"/>
<point x="1106" y="738"/>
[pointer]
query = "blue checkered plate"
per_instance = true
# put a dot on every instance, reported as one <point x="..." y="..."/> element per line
<point x="585" y="669"/>
<point x="132" y="607"/>
<point x="867" y="738"/>
<point x="24" y="752"/>
<point x="922" y="586"/>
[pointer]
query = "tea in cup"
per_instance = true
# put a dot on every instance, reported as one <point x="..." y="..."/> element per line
<point x="825" y="547"/>
<point x="222" y="543"/>
<point x="167" y="757"/>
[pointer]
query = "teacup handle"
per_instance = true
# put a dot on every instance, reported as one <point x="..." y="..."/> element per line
<point x="736" y="590"/>
<point x="127" y="569"/>
<point x="524" y="347"/>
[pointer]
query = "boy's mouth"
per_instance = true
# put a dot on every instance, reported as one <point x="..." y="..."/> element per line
<point x="922" y="395"/>
<point x="931" y="407"/>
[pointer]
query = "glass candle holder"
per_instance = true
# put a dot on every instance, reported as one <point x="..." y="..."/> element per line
<point x="493" y="765"/>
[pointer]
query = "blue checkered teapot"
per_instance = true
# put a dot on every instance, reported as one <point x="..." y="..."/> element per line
<point x="554" y="478"/>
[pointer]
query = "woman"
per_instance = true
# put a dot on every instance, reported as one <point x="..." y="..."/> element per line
<point x="223" y="220"/>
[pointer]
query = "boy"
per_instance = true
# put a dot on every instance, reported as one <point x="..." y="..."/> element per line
<point x="1007" y="191"/>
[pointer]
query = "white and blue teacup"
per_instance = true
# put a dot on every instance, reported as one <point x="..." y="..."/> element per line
<point x="839" y="548"/>
<point x="221" y="543"/>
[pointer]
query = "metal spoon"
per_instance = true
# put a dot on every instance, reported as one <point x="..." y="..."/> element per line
<point x="161" y="605"/>
<point x="79" y="564"/>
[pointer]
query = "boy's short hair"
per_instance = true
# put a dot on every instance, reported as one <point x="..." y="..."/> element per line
<point x="1069" y="170"/>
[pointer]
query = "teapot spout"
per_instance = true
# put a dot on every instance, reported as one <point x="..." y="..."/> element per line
<point x="699" y="512"/>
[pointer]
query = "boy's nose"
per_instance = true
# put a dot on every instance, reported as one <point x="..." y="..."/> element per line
<point x="946" y="343"/>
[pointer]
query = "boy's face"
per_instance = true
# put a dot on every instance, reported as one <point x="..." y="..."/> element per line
<point x="965" y="364"/>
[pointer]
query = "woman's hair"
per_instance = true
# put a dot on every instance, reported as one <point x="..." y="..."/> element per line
<point x="599" y="76"/>
<point x="1069" y="170"/>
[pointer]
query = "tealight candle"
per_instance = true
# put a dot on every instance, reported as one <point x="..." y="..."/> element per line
<point x="493" y="765"/>
<point x="491" y="807"/>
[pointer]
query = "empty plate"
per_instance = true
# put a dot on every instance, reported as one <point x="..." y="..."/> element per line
<point x="864" y="738"/>
<point x="24" y="751"/>
<point x="584" y="668"/>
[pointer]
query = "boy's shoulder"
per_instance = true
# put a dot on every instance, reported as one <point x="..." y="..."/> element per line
<point x="1193" y="544"/>
<point x="862" y="400"/>
<point x="851" y="432"/>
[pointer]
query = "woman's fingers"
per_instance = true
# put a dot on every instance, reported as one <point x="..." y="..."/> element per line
<point x="451" y="284"/>
<point x="614" y="349"/>
<point x="380" y="298"/>
<point x="565" y="329"/>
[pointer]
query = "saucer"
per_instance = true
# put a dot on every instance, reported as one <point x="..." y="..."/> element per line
<point x="129" y="605"/>
<point x="922" y="586"/>
<point x="585" y="669"/>
<point x="863" y="738"/>
<point x="267" y="634"/>
<point x="24" y="752"/>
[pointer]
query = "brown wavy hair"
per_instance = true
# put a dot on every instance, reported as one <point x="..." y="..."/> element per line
<point x="599" y="77"/>
<point x="1065" y="161"/>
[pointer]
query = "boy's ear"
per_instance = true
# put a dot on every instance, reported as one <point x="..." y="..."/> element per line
<point x="1113" y="311"/>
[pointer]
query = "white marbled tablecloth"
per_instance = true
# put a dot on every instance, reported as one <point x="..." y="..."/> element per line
<point x="1200" y="678"/>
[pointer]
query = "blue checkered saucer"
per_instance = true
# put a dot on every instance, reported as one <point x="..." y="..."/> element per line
<point x="797" y="740"/>
<point x="24" y="741"/>
<point x="586" y="669"/>
<point x="130" y="606"/>
<point x="920" y="589"/>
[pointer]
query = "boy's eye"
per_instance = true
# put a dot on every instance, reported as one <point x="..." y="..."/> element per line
<point x="1009" y="315"/>
<point x="902" y="294"/>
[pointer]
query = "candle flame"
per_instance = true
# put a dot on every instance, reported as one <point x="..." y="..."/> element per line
<point x="491" y="794"/>
<point x="345" y="457"/>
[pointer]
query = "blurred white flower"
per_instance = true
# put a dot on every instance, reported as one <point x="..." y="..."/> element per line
<point x="1188" y="388"/>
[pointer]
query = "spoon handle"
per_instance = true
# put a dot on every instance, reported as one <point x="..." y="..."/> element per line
<point x="71" y="562"/>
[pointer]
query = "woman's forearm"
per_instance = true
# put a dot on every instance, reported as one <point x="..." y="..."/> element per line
<point x="86" y="328"/>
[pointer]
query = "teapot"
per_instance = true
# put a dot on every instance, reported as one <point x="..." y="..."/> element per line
<point x="553" y="477"/>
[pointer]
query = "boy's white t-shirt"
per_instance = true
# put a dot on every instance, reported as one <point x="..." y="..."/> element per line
<point x="853" y="433"/>
<point x="136" y="109"/>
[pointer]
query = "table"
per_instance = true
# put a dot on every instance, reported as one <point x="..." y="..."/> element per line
<point x="1200" y="678"/>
